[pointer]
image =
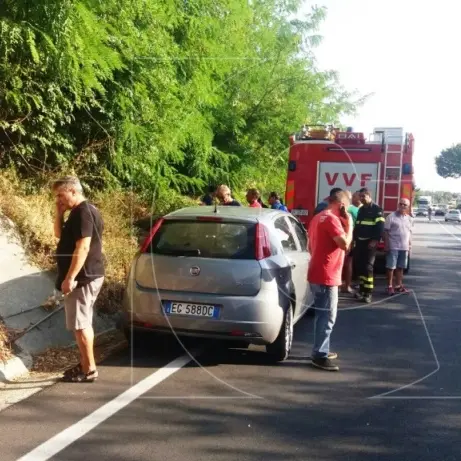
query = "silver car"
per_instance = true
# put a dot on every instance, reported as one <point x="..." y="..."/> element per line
<point x="453" y="215"/>
<point x="233" y="273"/>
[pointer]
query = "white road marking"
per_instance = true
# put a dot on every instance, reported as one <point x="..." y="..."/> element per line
<point x="68" y="436"/>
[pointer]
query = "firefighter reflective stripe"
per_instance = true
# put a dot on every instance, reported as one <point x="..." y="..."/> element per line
<point x="371" y="222"/>
<point x="366" y="282"/>
<point x="290" y="194"/>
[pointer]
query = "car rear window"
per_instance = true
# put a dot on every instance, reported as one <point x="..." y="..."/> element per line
<point x="221" y="240"/>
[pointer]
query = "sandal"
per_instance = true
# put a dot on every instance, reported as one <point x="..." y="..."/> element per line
<point x="401" y="289"/>
<point x="75" y="370"/>
<point x="81" y="377"/>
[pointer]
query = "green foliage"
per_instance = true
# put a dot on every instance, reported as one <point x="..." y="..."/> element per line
<point x="160" y="96"/>
<point x="448" y="163"/>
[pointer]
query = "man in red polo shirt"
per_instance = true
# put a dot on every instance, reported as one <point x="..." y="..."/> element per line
<point x="330" y="234"/>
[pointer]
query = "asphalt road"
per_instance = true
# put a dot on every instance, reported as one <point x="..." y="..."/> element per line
<point x="397" y="396"/>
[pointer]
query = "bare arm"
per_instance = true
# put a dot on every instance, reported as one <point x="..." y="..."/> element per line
<point x="82" y="248"/>
<point x="386" y="239"/>
<point x="343" y="241"/>
<point x="58" y="223"/>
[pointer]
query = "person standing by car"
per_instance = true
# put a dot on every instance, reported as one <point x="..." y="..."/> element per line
<point x="397" y="238"/>
<point x="208" y="198"/>
<point x="276" y="203"/>
<point x="353" y="210"/>
<point x="252" y="198"/>
<point x="324" y="203"/>
<point x="330" y="235"/>
<point x="367" y="234"/>
<point x="80" y="269"/>
<point x="223" y="194"/>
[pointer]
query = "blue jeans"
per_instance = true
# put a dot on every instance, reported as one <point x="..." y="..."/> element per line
<point x="326" y="309"/>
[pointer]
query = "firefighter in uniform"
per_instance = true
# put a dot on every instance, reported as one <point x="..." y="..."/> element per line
<point x="367" y="234"/>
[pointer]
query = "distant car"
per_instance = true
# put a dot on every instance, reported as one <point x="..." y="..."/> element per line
<point x="237" y="275"/>
<point x="439" y="212"/>
<point x="421" y="212"/>
<point x="453" y="215"/>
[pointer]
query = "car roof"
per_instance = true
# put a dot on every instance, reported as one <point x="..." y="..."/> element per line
<point x="229" y="212"/>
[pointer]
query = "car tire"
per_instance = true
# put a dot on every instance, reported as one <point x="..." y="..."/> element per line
<point x="280" y="349"/>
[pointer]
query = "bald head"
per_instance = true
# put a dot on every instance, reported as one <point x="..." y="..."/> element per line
<point x="404" y="205"/>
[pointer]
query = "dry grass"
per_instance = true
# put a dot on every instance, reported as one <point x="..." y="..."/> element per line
<point x="31" y="208"/>
<point x="5" y="350"/>
<point x="59" y="359"/>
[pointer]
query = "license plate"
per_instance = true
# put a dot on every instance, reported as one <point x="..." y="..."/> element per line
<point x="191" y="309"/>
<point x="299" y="212"/>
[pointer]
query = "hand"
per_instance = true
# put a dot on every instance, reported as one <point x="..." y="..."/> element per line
<point x="60" y="209"/>
<point x="68" y="285"/>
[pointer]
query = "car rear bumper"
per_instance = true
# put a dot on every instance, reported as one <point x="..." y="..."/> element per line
<point x="256" y="319"/>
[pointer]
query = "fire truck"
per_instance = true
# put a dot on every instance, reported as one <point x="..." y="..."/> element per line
<point x="323" y="157"/>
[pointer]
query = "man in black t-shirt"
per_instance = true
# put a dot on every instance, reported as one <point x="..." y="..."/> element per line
<point x="80" y="269"/>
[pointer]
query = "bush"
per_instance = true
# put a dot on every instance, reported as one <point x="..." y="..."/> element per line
<point x="31" y="208"/>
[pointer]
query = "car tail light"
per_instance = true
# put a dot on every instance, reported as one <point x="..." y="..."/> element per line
<point x="152" y="232"/>
<point x="262" y="244"/>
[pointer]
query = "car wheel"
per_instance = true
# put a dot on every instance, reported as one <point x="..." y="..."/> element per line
<point x="281" y="347"/>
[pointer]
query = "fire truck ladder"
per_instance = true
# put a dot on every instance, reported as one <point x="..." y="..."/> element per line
<point x="388" y="183"/>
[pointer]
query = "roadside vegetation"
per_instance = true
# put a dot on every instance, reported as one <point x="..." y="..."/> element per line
<point x="149" y="103"/>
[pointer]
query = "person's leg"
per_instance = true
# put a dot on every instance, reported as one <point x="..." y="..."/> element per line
<point x="85" y="298"/>
<point x="70" y="309"/>
<point x="360" y="255"/>
<point x="369" y="282"/>
<point x="85" y="341"/>
<point x="346" y="287"/>
<point x="402" y="261"/>
<point x="398" y="277"/>
<point x="326" y="308"/>
<point x="391" y="261"/>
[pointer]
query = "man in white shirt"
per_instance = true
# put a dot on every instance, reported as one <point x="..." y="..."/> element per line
<point x="397" y="241"/>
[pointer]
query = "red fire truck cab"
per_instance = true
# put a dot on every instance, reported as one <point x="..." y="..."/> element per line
<point x="322" y="157"/>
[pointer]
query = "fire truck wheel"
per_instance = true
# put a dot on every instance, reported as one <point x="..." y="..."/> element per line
<point x="281" y="347"/>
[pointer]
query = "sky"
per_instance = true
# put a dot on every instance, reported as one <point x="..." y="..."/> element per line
<point x="407" y="54"/>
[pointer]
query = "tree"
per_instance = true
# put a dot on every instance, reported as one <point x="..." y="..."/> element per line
<point x="448" y="163"/>
<point x="160" y="95"/>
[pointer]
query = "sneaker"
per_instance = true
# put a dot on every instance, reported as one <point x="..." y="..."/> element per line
<point x="390" y="291"/>
<point x="332" y="355"/>
<point x="358" y="296"/>
<point x="325" y="364"/>
<point x="367" y="299"/>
